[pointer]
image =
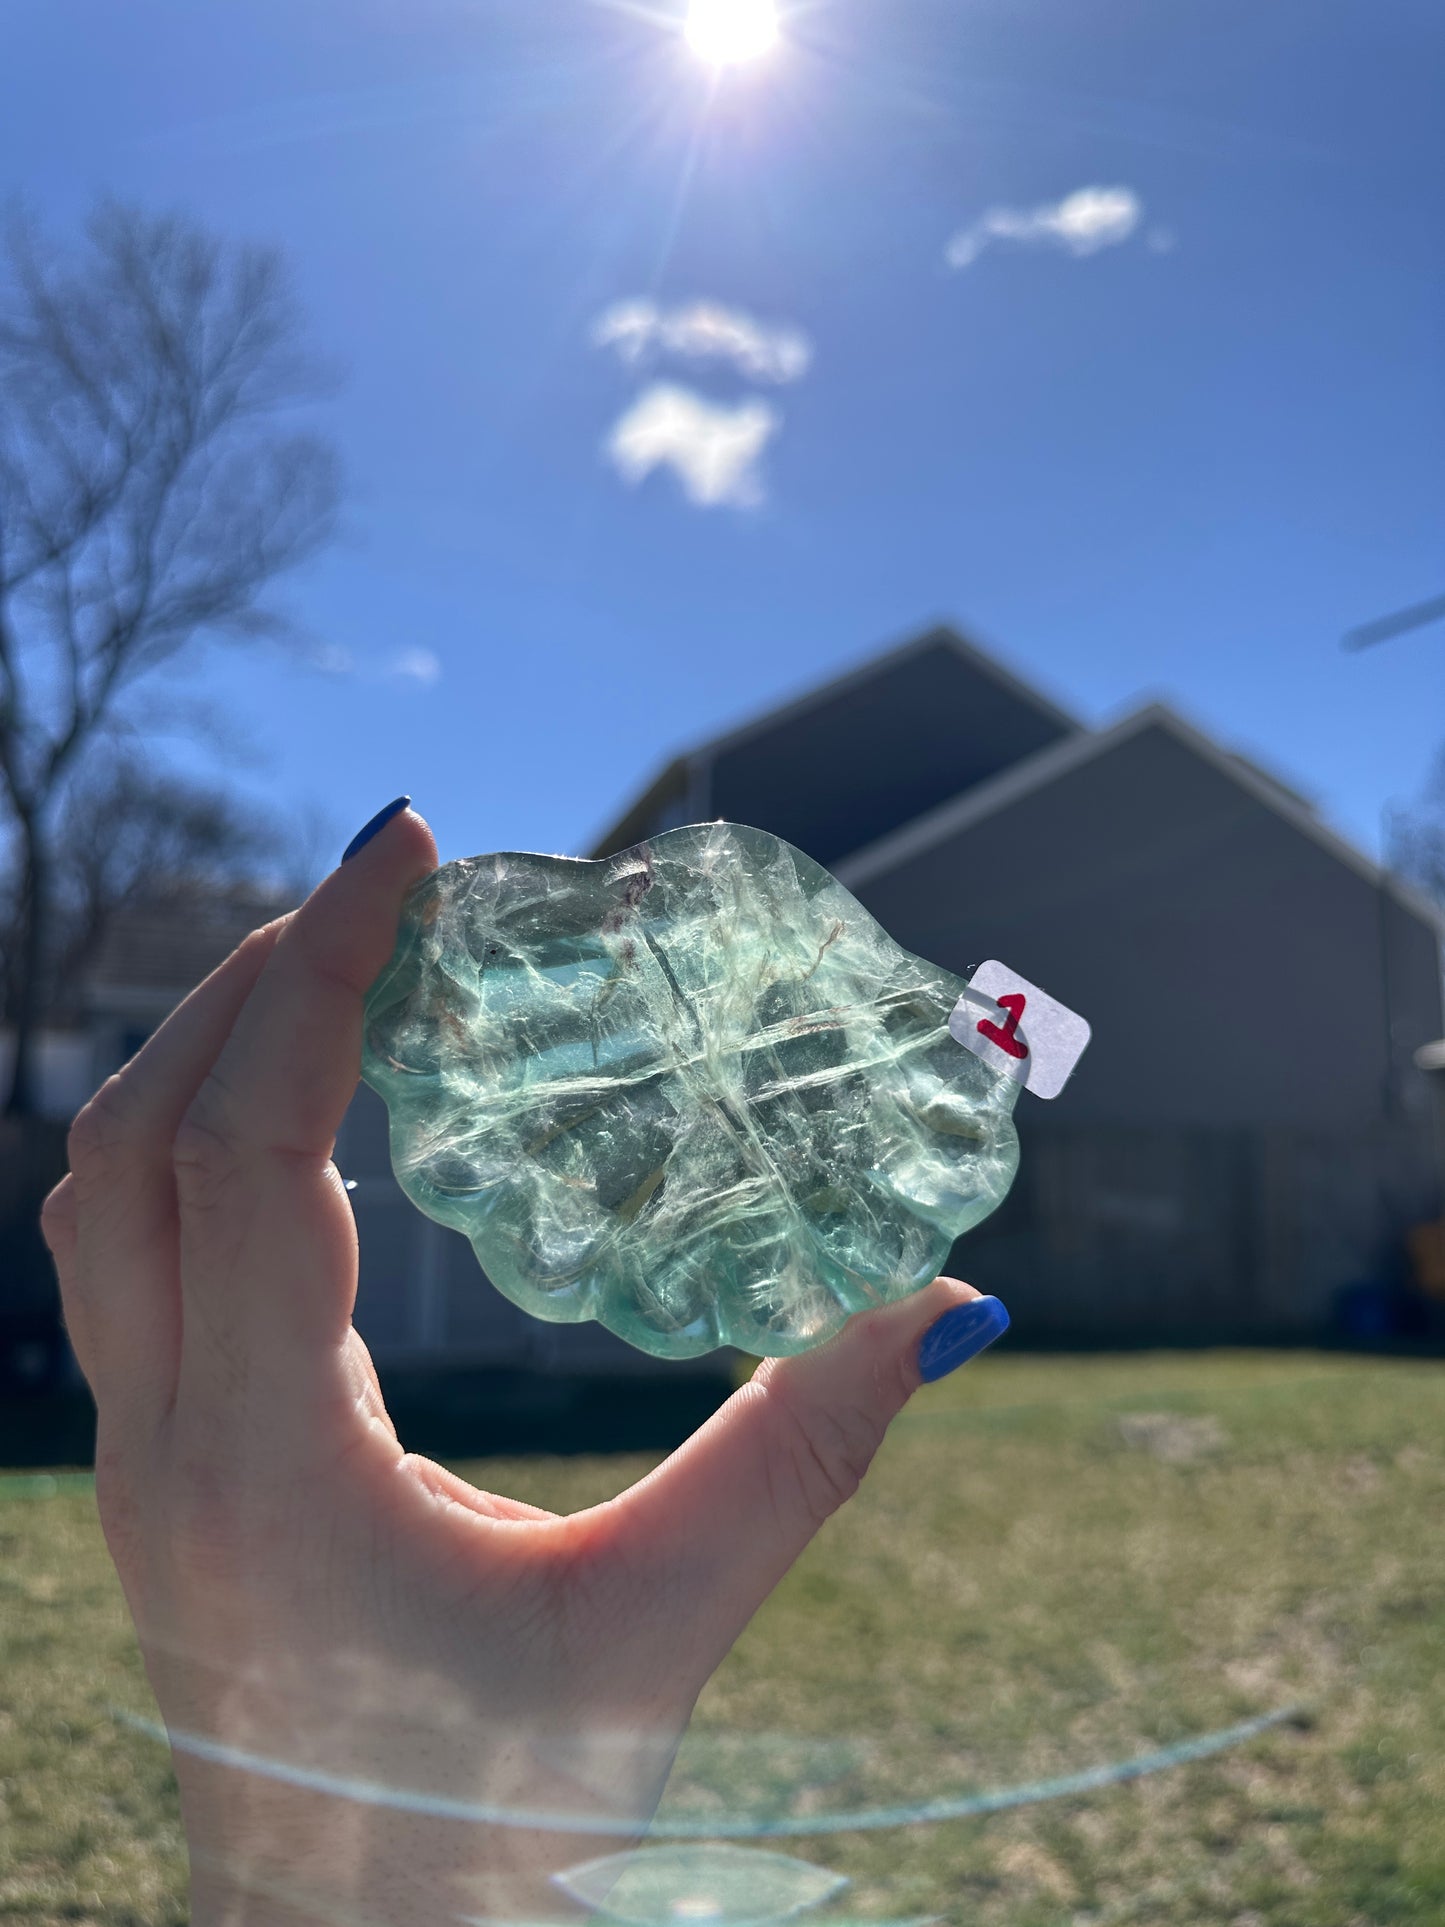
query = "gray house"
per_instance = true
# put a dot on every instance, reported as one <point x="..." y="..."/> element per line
<point x="1249" y="1135"/>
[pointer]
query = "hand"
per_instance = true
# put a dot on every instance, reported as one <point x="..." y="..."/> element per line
<point x="312" y="1600"/>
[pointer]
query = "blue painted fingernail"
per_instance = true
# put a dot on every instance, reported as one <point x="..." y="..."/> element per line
<point x="378" y="822"/>
<point x="961" y="1334"/>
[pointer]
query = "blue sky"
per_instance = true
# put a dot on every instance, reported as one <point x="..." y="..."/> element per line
<point x="1171" y="438"/>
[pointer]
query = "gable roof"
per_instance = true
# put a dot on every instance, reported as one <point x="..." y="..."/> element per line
<point x="939" y="636"/>
<point x="673" y="780"/>
<point x="1036" y="772"/>
<point x="155" y="954"/>
<point x="930" y="686"/>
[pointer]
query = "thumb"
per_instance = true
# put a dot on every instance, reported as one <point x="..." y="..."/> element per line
<point x="724" y="1518"/>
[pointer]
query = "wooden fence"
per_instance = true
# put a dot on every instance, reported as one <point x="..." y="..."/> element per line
<point x="1187" y="1235"/>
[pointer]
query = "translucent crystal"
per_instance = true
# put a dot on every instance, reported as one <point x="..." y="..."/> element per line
<point x="693" y="1091"/>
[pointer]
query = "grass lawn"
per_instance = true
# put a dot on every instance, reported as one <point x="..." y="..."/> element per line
<point x="1055" y="1563"/>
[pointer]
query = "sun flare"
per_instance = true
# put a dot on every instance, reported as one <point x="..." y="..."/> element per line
<point x="726" y="32"/>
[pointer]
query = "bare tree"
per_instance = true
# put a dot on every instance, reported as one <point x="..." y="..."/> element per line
<point x="154" y="482"/>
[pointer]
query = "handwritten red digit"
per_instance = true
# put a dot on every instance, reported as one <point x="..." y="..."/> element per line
<point x="1006" y="1035"/>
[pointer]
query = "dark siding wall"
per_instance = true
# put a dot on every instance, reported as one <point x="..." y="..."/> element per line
<point x="1179" y="1233"/>
<point x="1410" y="952"/>
<point x="863" y="763"/>
<point x="1232" y="969"/>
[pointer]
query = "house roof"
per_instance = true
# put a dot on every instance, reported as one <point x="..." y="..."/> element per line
<point x="1036" y="772"/>
<point x="688" y="782"/>
<point x="941" y="635"/>
<point x="930" y="686"/>
<point x="673" y="779"/>
<point x="154" y="955"/>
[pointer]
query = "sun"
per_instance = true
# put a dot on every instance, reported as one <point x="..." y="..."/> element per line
<point x="726" y="32"/>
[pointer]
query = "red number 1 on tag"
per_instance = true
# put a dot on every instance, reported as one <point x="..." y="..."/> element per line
<point x="1006" y="1035"/>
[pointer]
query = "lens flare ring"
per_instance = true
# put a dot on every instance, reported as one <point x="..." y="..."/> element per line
<point x="966" y="1806"/>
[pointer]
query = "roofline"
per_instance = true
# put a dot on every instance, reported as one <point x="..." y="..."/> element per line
<point x="1046" y="766"/>
<point x="865" y="672"/>
<point x="689" y="762"/>
<point x="611" y="838"/>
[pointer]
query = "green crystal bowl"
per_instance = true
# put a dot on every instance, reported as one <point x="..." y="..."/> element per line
<point x="693" y="1091"/>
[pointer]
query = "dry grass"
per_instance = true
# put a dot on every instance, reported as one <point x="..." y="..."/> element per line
<point x="1055" y="1563"/>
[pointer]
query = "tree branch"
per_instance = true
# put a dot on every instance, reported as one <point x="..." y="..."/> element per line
<point x="149" y="491"/>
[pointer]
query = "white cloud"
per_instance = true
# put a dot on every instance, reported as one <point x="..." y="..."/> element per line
<point x="713" y="449"/>
<point x="416" y="665"/>
<point x="704" y="331"/>
<point x="1083" y="222"/>
<point x="413" y="664"/>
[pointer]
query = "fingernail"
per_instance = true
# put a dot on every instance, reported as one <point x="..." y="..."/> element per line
<point x="378" y="822"/>
<point x="961" y="1334"/>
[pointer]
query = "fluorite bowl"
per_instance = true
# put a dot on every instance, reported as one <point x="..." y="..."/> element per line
<point x="693" y="1091"/>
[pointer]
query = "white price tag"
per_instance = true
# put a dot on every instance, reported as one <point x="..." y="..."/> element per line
<point x="1019" y="1029"/>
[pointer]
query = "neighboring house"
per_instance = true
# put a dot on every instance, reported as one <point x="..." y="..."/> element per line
<point x="153" y="956"/>
<point x="149" y="959"/>
<point x="1249" y="1135"/>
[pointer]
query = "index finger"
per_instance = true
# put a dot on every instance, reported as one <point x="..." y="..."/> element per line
<point x="268" y="1252"/>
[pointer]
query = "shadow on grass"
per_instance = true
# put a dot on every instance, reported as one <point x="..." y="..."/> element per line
<point x="508" y="1413"/>
<point x="448" y="1415"/>
<point x="491" y="1414"/>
